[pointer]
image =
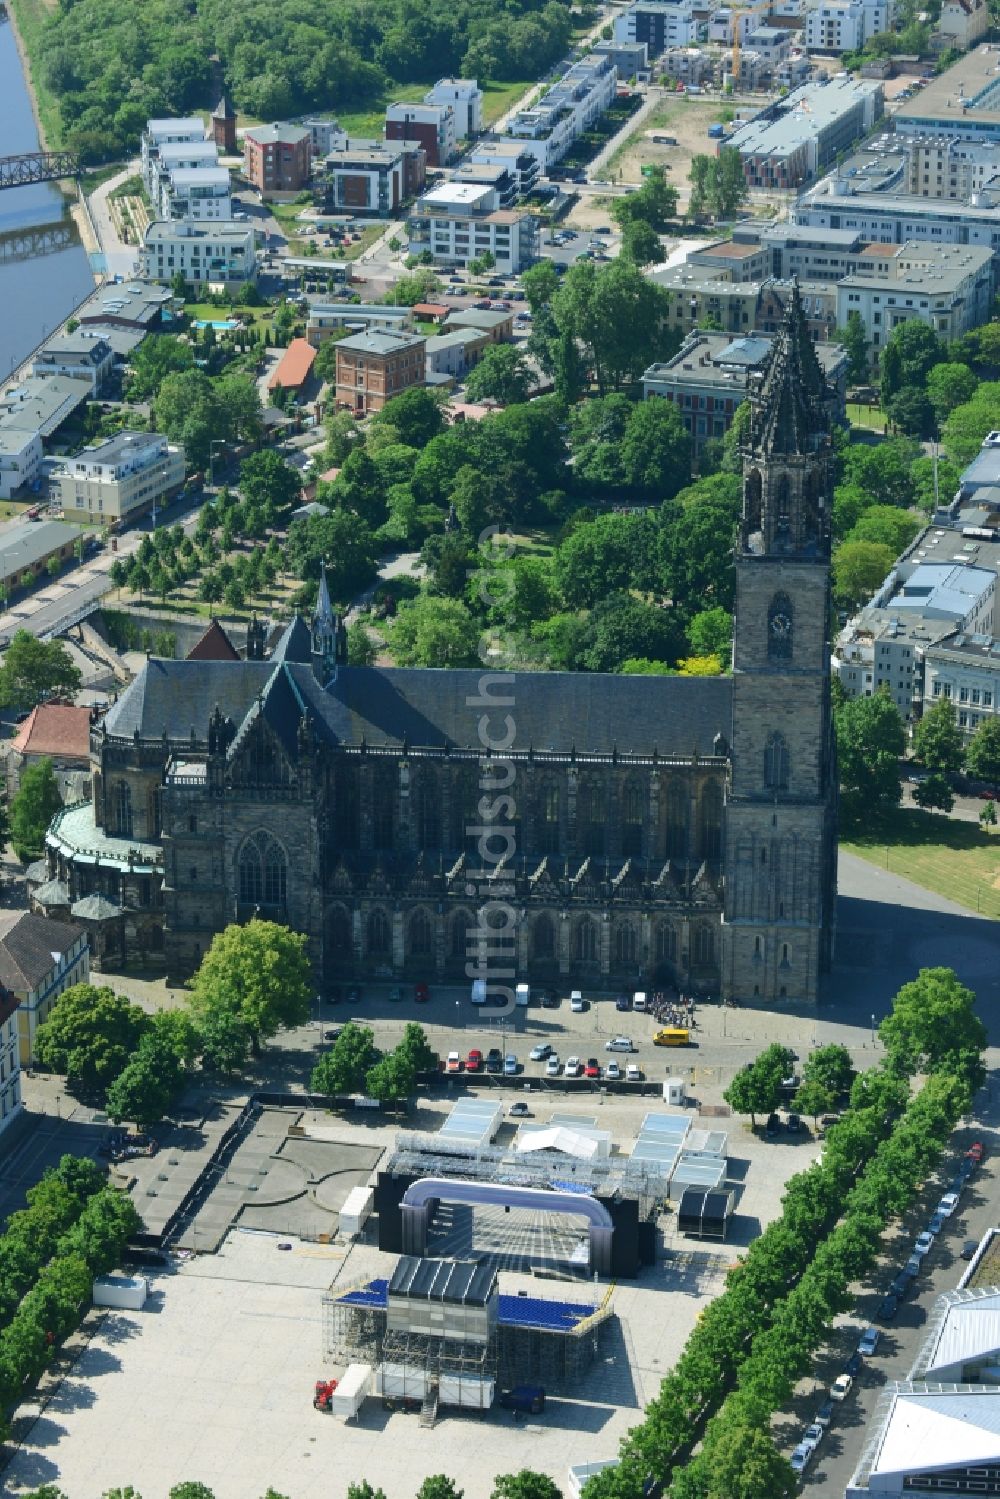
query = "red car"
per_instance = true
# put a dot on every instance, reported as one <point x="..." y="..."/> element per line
<point x="593" y="1068"/>
<point x="474" y="1061"/>
<point x="975" y="1151"/>
<point x="421" y="993"/>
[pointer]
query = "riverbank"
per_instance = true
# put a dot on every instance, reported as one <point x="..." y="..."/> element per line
<point x="25" y="18"/>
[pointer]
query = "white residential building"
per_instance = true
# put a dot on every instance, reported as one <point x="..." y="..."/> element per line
<point x="195" y="193"/>
<point x="20" y="458"/>
<point x="949" y="289"/>
<point x="582" y="95"/>
<point x="326" y="136"/>
<point x="212" y="253"/>
<point x="659" y="24"/>
<point x="461" y="221"/>
<point x="965" y="669"/>
<point x="947" y="166"/>
<point x="84" y="353"/>
<point x="963" y="22"/>
<point x="159" y="134"/>
<point x="466" y="99"/>
<point x="433" y="125"/>
<point x="846" y="25"/>
<point x="120" y="478"/>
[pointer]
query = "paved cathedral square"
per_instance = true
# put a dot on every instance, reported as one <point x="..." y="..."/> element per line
<point x="664" y="829"/>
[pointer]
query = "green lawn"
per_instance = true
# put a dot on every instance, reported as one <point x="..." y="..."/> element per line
<point x="499" y="97"/>
<point x="865" y="416"/>
<point x="955" y="859"/>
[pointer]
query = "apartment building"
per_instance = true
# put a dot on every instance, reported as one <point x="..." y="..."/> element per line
<point x="120" y="478"/>
<point x="461" y="221"/>
<point x="659" y="24"/>
<point x="277" y="159"/>
<point x="466" y="100"/>
<point x="376" y="365"/>
<point x="949" y="289"/>
<point x="631" y="59"/>
<point x="793" y="139"/>
<point x="894" y="217"/>
<point x="548" y="129"/>
<point x="432" y="125"/>
<point x="84" y="354"/>
<point x="805" y="253"/>
<point x="195" y="193"/>
<point x="964" y="100"/>
<point x="369" y="177"/>
<point x="10" y="1062"/>
<point x="39" y="958"/>
<point x="845" y="25"/>
<point x="947" y="166"/>
<point x="510" y="157"/>
<point x="963" y="22"/>
<point x="204" y="254"/>
<point x="327" y="318"/>
<point x="324" y="136"/>
<point x="159" y="134"/>
<point x="21" y="455"/>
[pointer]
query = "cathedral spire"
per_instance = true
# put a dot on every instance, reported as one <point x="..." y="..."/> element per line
<point x="328" y="635"/>
<point x="787" y="402"/>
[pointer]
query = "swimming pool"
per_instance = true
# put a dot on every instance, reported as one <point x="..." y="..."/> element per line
<point x="223" y="325"/>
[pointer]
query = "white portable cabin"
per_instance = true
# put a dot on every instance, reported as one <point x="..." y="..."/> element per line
<point x="675" y="1091"/>
<point x="357" y="1207"/>
<point x="128" y="1292"/>
<point x="352" y="1391"/>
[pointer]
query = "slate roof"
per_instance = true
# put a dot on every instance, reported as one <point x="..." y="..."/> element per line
<point x="95" y="907"/>
<point x="214" y="645"/>
<point x="52" y="893"/>
<point x="27" y="944"/>
<point x="295" y="643"/>
<point x="181" y="695"/>
<point x="56" y="729"/>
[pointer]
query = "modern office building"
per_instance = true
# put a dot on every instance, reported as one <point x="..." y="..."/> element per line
<point x="120" y="478"/>
<point x="466" y="99"/>
<point x="433" y="125"/>
<point x="894" y="217"/>
<point x="964" y="100"/>
<point x="277" y="159"/>
<point x="659" y="24"/>
<point x="203" y="253"/>
<point x="794" y="138"/>
<point x="949" y="288"/>
<point x="459" y="222"/>
<point x="370" y="177"/>
<point x="374" y="366"/>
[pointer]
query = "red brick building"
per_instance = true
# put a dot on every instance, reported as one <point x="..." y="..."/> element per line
<point x="224" y="127"/>
<point x="373" y="367"/>
<point x="277" y="158"/>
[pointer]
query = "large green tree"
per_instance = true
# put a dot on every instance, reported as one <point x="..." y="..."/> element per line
<point x="269" y="484"/>
<point x="35" y="804"/>
<point x="982" y="758"/>
<point x="34" y="670"/>
<point x="525" y="1484"/>
<point x="259" y="974"/>
<point x="432" y="631"/>
<point x="859" y="567"/>
<point x="933" y="1021"/>
<point x="938" y="741"/>
<point x="853" y="339"/>
<point x="90" y="1037"/>
<point x="501" y="375"/>
<point x="870" y="740"/>
<point x="615" y="314"/>
<point x="344" y="1068"/>
<point x="911" y="352"/>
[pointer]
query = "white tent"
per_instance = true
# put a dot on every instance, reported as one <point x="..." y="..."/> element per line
<point x="566" y="1141"/>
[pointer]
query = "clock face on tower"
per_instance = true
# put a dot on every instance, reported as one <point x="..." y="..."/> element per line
<point x="781" y="626"/>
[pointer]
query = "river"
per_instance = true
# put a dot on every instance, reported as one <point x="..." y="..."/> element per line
<point x="44" y="270"/>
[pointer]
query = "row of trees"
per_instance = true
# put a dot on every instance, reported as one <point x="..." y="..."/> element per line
<point x="826" y="1078"/>
<point x="355" y="1065"/>
<point x="74" y="1228"/>
<point x="525" y="1484"/>
<point x="753" y="1343"/>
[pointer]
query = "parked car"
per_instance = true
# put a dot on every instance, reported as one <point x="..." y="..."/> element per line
<point x="623" y="1002"/>
<point x="332" y="1033"/>
<point x="900" y="1287"/>
<point x="395" y="994"/>
<point x="937" y="1223"/>
<point x="633" y="1073"/>
<point x="969" y="1249"/>
<point x="510" y="1065"/>
<point x="773" y="1125"/>
<point x="540" y="1052"/>
<point x="914" y="1265"/>
<point x="553" y="1066"/>
<point x="887" y="1307"/>
<point x="924" y="1243"/>
<point x="853" y="1365"/>
<point x="577" y="1003"/>
<point x="794" y="1124"/>
<point x="494" y="1059"/>
<point x="474" y="1060"/>
<point x="802" y="1457"/>
<point x="947" y="1205"/>
<point x="453" y="1062"/>
<point x="573" y="1067"/>
<point x="824" y="1415"/>
<point x="814" y="1434"/>
<point x="619" y="1043"/>
<point x="592" y="1068"/>
<point x="519" y="1111"/>
<point x="868" y="1341"/>
<point x="975" y="1151"/>
<point x="612" y="1072"/>
<point x="421" y="993"/>
<point x="841" y="1387"/>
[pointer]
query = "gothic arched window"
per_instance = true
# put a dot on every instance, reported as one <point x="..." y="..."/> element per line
<point x="677" y="819"/>
<point x="710" y="816"/>
<point x="780" y="622"/>
<point x="591" y="817"/>
<point x="338" y="932"/>
<point x="548" y="829"/>
<point x="782" y="503"/>
<point x="378" y="932"/>
<point x="585" y="945"/>
<point x="428" y="809"/>
<point x="666" y="942"/>
<point x="460" y="926"/>
<point x="122" y="809"/>
<point x="626" y="943"/>
<point x="703" y="944"/>
<point x="776" y="764"/>
<point x="420" y="934"/>
<point x="263" y="871"/>
<point x="753" y="490"/>
<point x="543" y="938"/>
<point x="384" y="805"/>
<point x="633" y="807"/>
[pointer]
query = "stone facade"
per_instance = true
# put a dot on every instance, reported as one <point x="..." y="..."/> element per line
<point x="636" y="830"/>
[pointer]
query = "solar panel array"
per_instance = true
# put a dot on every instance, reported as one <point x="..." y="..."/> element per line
<point x="472" y="1121"/>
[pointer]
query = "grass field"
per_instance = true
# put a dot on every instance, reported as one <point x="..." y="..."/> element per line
<point x="955" y="859"/>
<point x="865" y="416"/>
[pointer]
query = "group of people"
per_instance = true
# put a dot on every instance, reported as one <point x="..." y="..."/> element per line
<point x="679" y="1011"/>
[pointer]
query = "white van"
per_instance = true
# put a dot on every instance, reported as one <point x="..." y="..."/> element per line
<point x="522" y="995"/>
<point x="576" y="1003"/>
<point x="478" y="991"/>
<point x="639" y="1000"/>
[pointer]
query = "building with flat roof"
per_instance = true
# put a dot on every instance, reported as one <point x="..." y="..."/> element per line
<point x="894" y="217"/>
<point x="195" y="193"/>
<point x="795" y="138"/>
<point x="277" y="158"/>
<point x="205" y="254"/>
<point x="326" y="136"/>
<point x="326" y="318"/>
<point x="465" y="98"/>
<point x="454" y="353"/>
<point x="962" y="22"/>
<point x="126" y="304"/>
<point x="658" y="24"/>
<point x="949" y="166"/>
<point x="20" y="459"/>
<point x="114" y="481"/>
<point x="964" y="100"/>
<point x="845" y="25"/>
<point x="433" y="125"/>
<point x="159" y="134"/>
<point x="965" y="669"/>
<point x="983" y="473"/>
<point x="931" y="1438"/>
<point x="800" y="251"/>
<point x="374" y="366"/>
<point x="948" y="288"/>
<point x="549" y="127"/>
<point x="42" y="403"/>
<point x="459" y="222"/>
<point x="84" y="354"/>
<point x="26" y="549"/>
<point x="707" y="380"/>
<point x="373" y="177"/>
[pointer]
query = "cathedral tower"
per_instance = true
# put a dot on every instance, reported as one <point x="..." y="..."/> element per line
<point x="328" y="636"/>
<point x="780" y="846"/>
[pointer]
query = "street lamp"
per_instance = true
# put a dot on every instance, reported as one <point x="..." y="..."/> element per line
<point x="873" y="1030"/>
